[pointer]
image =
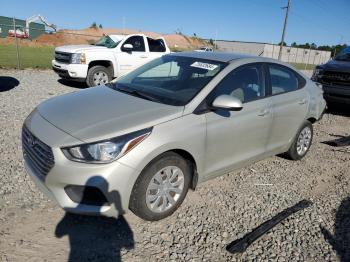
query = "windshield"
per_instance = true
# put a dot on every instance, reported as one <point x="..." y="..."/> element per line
<point x="107" y="42"/>
<point x="203" y="48"/>
<point x="344" y="55"/>
<point x="172" y="80"/>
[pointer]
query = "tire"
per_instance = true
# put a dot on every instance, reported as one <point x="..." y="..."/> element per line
<point x="141" y="205"/>
<point x="297" y="152"/>
<point x="98" y="75"/>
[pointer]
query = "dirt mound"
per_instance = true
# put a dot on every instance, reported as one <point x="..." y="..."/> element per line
<point x="90" y="35"/>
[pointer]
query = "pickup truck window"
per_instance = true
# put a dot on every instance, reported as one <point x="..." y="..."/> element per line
<point x="137" y="43"/>
<point x="156" y="45"/>
<point x="170" y="79"/>
<point x="343" y="57"/>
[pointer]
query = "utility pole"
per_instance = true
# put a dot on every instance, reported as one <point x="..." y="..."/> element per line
<point x="16" y="39"/>
<point x="284" y="29"/>
<point x="216" y="36"/>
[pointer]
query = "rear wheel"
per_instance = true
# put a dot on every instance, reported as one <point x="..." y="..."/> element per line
<point x="161" y="187"/>
<point x="302" y="142"/>
<point x="98" y="75"/>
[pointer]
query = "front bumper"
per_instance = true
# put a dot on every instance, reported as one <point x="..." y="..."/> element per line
<point x="114" y="180"/>
<point x="71" y="71"/>
<point x="337" y="94"/>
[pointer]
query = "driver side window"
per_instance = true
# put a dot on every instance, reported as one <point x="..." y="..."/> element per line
<point x="245" y="83"/>
<point x="137" y="42"/>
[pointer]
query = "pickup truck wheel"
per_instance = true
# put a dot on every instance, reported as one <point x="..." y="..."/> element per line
<point x="98" y="75"/>
<point x="161" y="187"/>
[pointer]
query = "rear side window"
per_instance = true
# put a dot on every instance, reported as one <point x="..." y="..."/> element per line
<point x="137" y="43"/>
<point x="156" y="45"/>
<point x="301" y="81"/>
<point x="282" y="79"/>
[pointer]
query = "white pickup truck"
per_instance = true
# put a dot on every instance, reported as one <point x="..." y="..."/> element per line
<point x="110" y="57"/>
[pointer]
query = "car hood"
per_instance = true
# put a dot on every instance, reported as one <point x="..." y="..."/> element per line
<point x="79" y="48"/>
<point x="100" y="113"/>
<point x="339" y="66"/>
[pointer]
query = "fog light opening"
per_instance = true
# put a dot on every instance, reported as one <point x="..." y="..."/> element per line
<point x="87" y="195"/>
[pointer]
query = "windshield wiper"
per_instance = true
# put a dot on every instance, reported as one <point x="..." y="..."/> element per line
<point x="137" y="93"/>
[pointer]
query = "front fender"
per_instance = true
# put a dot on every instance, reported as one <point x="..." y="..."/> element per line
<point x="186" y="133"/>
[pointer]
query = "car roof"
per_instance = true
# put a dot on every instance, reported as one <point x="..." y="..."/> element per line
<point x="215" y="56"/>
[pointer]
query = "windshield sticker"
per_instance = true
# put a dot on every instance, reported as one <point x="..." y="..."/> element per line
<point x="202" y="65"/>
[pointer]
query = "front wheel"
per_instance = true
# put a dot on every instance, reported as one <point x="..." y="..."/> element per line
<point x="302" y="142"/>
<point x="161" y="187"/>
<point x="98" y="75"/>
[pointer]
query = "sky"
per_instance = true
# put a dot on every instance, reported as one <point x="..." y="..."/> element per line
<point x="314" y="21"/>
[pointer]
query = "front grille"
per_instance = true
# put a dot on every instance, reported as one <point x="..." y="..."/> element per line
<point x="335" y="78"/>
<point x="62" y="57"/>
<point x="37" y="154"/>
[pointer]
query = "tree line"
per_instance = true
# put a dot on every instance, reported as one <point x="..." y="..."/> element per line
<point x="334" y="49"/>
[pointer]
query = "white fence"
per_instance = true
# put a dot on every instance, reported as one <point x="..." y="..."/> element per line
<point x="289" y="54"/>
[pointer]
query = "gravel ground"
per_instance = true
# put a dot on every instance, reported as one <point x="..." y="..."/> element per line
<point x="32" y="228"/>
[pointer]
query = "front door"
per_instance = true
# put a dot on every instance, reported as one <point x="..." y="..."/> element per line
<point x="128" y="60"/>
<point x="237" y="137"/>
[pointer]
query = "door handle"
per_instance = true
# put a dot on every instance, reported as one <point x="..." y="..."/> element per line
<point x="263" y="112"/>
<point x="302" y="102"/>
<point x="143" y="56"/>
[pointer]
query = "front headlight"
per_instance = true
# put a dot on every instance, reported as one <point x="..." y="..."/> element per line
<point x="317" y="71"/>
<point x="78" y="58"/>
<point x="108" y="150"/>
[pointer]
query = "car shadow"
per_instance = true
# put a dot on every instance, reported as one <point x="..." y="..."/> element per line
<point x="339" y="109"/>
<point x="340" y="241"/>
<point x="70" y="83"/>
<point x="7" y="83"/>
<point x="96" y="238"/>
<point x="340" y="141"/>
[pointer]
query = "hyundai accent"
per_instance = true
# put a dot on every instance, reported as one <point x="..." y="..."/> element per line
<point x="143" y="141"/>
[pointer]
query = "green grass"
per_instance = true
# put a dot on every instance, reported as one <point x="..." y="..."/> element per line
<point x="30" y="57"/>
<point x="40" y="57"/>
<point x="301" y="66"/>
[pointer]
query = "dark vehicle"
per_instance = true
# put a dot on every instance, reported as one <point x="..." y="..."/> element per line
<point x="335" y="78"/>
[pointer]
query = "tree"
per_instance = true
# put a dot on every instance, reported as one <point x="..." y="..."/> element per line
<point x="100" y="26"/>
<point x="294" y="44"/>
<point x="93" y="25"/>
<point x="284" y="43"/>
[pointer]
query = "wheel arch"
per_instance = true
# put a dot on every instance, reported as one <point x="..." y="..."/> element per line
<point x="190" y="159"/>
<point x="312" y="120"/>
<point x="184" y="154"/>
<point x="106" y="63"/>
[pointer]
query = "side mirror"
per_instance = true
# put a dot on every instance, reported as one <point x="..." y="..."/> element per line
<point x="228" y="103"/>
<point x="127" y="47"/>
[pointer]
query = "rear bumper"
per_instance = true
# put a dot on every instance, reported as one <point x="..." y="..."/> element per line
<point x="71" y="71"/>
<point x="337" y="94"/>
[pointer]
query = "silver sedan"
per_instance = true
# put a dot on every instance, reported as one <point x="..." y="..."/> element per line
<point x="142" y="142"/>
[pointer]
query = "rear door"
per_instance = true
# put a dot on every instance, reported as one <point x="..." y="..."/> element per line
<point x="289" y="103"/>
<point x="129" y="60"/>
<point x="156" y="48"/>
<point x="235" y="137"/>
